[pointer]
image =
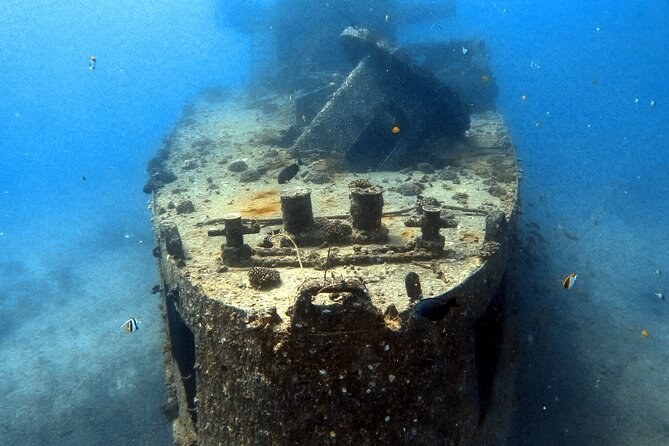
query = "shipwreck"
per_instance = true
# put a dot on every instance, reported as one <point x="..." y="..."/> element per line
<point x="291" y="308"/>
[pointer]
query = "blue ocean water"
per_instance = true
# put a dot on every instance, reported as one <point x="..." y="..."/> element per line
<point x="77" y="253"/>
<point x="592" y="139"/>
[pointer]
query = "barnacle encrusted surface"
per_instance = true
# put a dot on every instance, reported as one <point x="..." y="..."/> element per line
<point x="360" y="182"/>
<point x="334" y="230"/>
<point x="310" y="338"/>
<point x="261" y="277"/>
<point x="409" y="189"/>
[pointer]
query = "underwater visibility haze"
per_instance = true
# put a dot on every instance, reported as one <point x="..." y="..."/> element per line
<point x="74" y="226"/>
<point x="581" y="86"/>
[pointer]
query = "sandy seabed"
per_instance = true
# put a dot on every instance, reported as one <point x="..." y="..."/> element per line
<point x="71" y="375"/>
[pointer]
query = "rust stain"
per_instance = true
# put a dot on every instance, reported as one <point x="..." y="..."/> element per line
<point x="470" y="237"/>
<point x="394" y="323"/>
<point x="261" y="204"/>
<point x="328" y="199"/>
<point x="269" y="193"/>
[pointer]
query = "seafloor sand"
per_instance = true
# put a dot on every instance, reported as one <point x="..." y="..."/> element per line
<point x="70" y="374"/>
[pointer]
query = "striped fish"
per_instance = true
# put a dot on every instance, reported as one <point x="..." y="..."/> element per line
<point x="569" y="281"/>
<point x="131" y="325"/>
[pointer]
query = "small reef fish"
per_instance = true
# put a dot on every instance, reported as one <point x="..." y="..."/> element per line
<point x="386" y="18"/>
<point x="569" y="281"/>
<point x="435" y="308"/>
<point x="289" y="172"/>
<point x="484" y="78"/>
<point x="644" y="333"/>
<point x="395" y="130"/>
<point x="131" y="325"/>
<point x="464" y="51"/>
<point x="92" y="62"/>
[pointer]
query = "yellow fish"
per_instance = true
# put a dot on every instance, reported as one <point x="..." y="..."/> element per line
<point x="569" y="281"/>
<point x="395" y="130"/>
<point x="644" y="333"/>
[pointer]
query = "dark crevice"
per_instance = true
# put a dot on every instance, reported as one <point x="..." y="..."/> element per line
<point x="489" y="331"/>
<point x="183" y="352"/>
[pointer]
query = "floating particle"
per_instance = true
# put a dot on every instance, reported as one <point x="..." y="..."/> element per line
<point x="644" y="333"/>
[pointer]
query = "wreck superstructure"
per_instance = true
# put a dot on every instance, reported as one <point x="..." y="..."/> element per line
<point x="290" y="308"/>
